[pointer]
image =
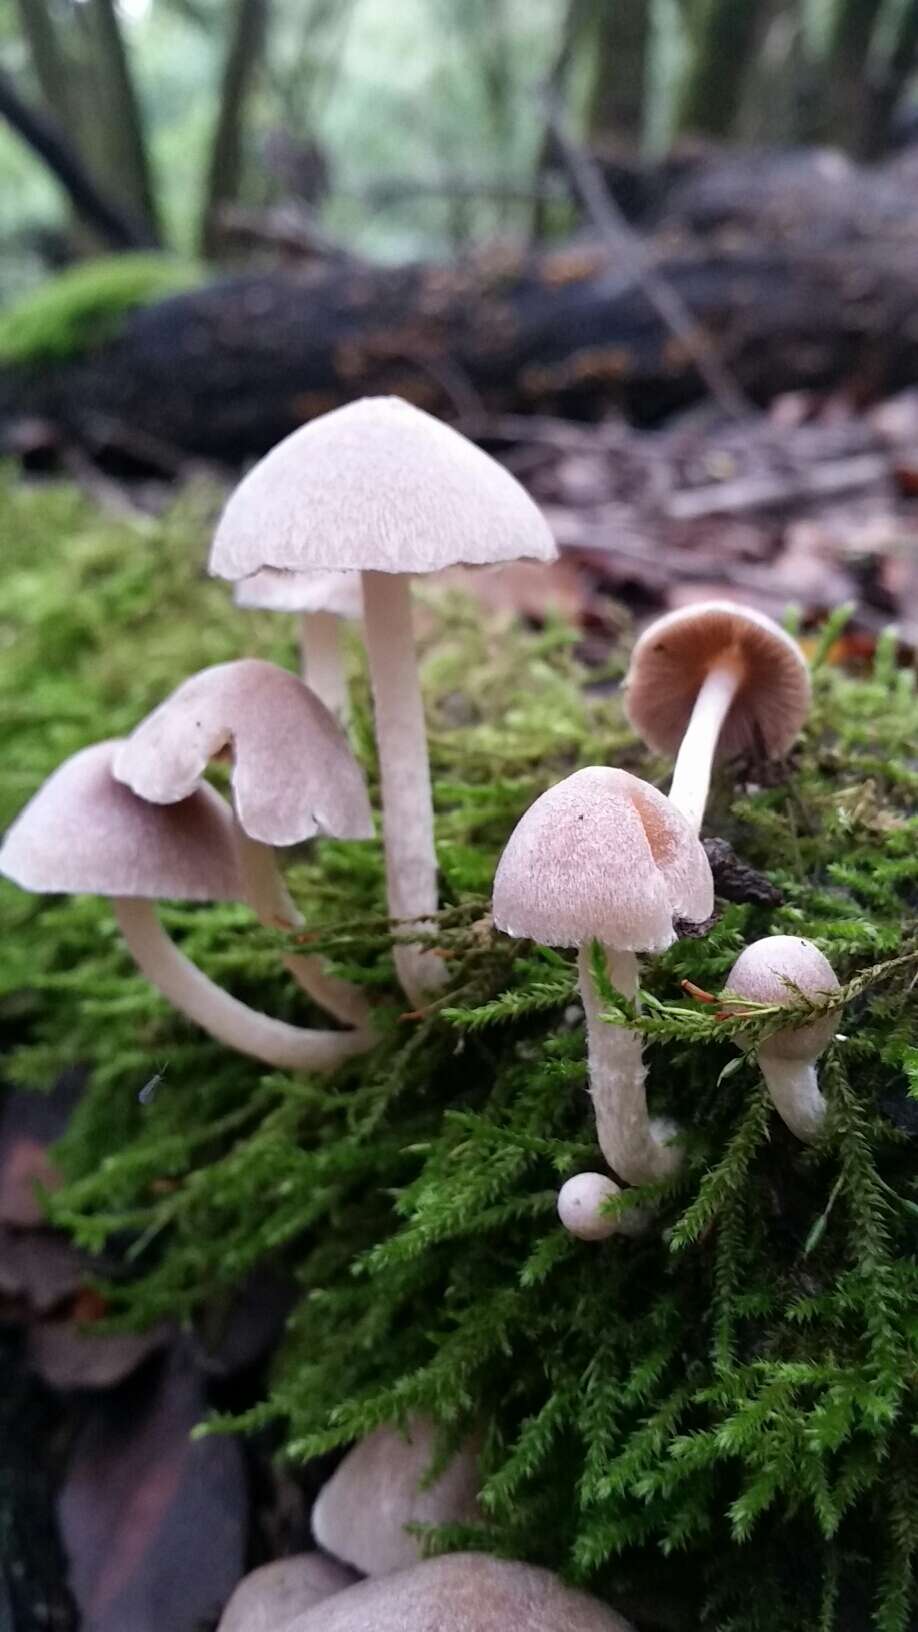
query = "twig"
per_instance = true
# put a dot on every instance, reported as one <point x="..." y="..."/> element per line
<point x="611" y="224"/>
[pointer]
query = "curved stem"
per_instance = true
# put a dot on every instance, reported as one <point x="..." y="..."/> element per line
<point x="269" y="898"/>
<point x="795" y="1094"/>
<point x="633" y="1150"/>
<point x="401" y="740"/>
<point x="692" y="770"/>
<point x="321" y="661"/>
<point x="188" y="989"/>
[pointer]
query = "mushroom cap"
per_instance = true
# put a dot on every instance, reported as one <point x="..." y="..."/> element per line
<point x="278" y="591"/>
<point x="376" y="486"/>
<point x="602" y="856"/>
<point x="580" y="1204"/>
<point x="294" y="774"/>
<point x="85" y="833"/>
<point x="674" y="655"/>
<point x="268" y="1598"/>
<point x="464" y="1592"/>
<point x="360" y="1514"/>
<point x="762" y="973"/>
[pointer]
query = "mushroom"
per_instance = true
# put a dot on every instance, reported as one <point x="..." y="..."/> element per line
<point x="380" y="488"/>
<point x="322" y="599"/>
<point x="581" y="1200"/>
<point x="361" y="1513"/>
<point x="712" y="680"/>
<point x="603" y="856"/>
<point x="271" y="1597"/>
<point x="84" y="832"/>
<point x="293" y="776"/>
<point x="776" y="970"/>
<point x="463" y="1592"/>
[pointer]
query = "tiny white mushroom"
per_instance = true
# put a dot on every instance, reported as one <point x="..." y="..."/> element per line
<point x="605" y="857"/>
<point x="86" y="833"/>
<point x="323" y="600"/>
<point x="715" y="679"/>
<point x="775" y="970"/>
<point x="581" y="1201"/>
<point x="381" y="488"/>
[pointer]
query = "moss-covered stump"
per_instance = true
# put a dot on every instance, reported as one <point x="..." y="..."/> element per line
<point x="713" y="1425"/>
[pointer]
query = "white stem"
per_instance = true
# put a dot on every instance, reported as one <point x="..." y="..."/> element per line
<point x="269" y="898"/>
<point x="188" y="989"/>
<point x="692" y="770"/>
<point x="795" y="1094"/>
<point x="627" y="1138"/>
<point x="322" y="662"/>
<point x="401" y="740"/>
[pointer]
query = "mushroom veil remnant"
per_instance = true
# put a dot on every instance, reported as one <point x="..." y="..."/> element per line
<point x="293" y="776"/>
<point x="85" y="833"/>
<point x="715" y="679"/>
<point x="603" y="856"/>
<point x="776" y="970"/>
<point x="323" y="600"/>
<point x="380" y="488"/>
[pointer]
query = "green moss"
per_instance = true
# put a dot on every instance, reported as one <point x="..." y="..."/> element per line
<point x="78" y="309"/>
<point x="726" y="1405"/>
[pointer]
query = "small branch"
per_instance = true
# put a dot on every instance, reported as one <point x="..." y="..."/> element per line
<point x="612" y="226"/>
<point x="45" y="137"/>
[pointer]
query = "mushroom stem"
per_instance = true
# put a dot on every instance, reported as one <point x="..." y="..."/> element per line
<point x="794" y="1090"/>
<point x="269" y="898"/>
<point x="321" y="661"/>
<point x="692" y="770"/>
<point x="626" y="1136"/>
<point x="188" y="989"/>
<point x="408" y="830"/>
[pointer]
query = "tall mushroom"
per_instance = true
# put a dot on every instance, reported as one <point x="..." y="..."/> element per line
<point x="712" y="680"/>
<point x="776" y="970"/>
<point x="603" y="856"/>
<point x="84" y="832"/>
<point x="380" y="488"/>
<point x="293" y="776"/>
<point x="322" y="600"/>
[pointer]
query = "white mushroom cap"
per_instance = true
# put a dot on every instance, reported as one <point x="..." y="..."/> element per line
<point x="580" y="1206"/>
<point x="275" y="591"/>
<point x="85" y="833"/>
<point x="602" y="856"/>
<point x="269" y="1598"/>
<point x="293" y="774"/>
<point x="674" y="655"/>
<point x="361" y="1513"/>
<point x="464" y="1592"/>
<point x="376" y="486"/>
<point x="773" y="970"/>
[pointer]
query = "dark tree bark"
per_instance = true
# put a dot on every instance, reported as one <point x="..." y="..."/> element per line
<point x="52" y="146"/>
<point x="723" y="35"/>
<point x="224" y="171"/>
<point x="122" y="151"/>
<point x="619" y="46"/>
<point x="52" y="69"/>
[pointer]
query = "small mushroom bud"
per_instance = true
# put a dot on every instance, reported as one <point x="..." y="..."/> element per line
<point x="580" y="1209"/>
<point x="776" y="970"/>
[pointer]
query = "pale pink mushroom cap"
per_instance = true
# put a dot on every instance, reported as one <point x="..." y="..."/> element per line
<point x="602" y="856"/>
<point x="85" y="833"/>
<point x="580" y="1206"/>
<point x="774" y="970"/>
<point x="272" y="590"/>
<point x="673" y="657"/>
<point x="293" y="772"/>
<point x="376" y="486"/>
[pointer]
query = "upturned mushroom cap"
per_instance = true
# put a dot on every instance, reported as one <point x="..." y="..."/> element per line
<point x="274" y="591"/>
<point x="465" y="1592"/>
<point x="85" y="833"/>
<point x="674" y="655"/>
<point x="293" y="772"/>
<point x="773" y="970"/>
<point x="361" y="1513"/>
<point x="269" y="1598"/>
<point x="376" y="486"/>
<point x="602" y="856"/>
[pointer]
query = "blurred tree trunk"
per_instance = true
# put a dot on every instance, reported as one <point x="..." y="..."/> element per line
<point x="224" y="172"/>
<point x="723" y="36"/>
<point x="49" y="62"/>
<point x="887" y="89"/>
<point x="619" y="35"/>
<point x="849" y="114"/>
<point x="123" y="160"/>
